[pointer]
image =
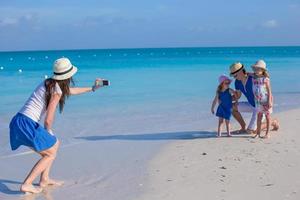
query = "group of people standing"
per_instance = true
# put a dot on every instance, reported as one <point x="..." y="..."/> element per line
<point x="256" y="87"/>
<point x="52" y="93"/>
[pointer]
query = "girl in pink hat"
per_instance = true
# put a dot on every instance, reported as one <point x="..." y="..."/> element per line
<point x="224" y="98"/>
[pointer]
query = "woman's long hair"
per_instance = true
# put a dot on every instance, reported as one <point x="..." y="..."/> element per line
<point x="65" y="88"/>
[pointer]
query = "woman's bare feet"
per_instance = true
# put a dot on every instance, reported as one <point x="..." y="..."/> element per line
<point x="29" y="188"/>
<point x="241" y="131"/>
<point x="251" y="132"/>
<point x="256" y="136"/>
<point x="275" y="125"/>
<point x="46" y="183"/>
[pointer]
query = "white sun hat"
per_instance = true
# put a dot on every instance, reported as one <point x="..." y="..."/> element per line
<point x="260" y="64"/>
<point x="63" y="69"/>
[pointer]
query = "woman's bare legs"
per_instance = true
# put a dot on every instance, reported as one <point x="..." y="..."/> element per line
<point x="47" y="158"/>
<point x="237" y="115"/>
<point x="45" y="180"/>
<point x="273" y="122"/>
<point x="221" y="120"/>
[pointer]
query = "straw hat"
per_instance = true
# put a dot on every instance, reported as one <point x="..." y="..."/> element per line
<point x="223" y="78"/>
<point x="236" y="67"/>
<point x="63" y="69"/>
<point x="260" y="64"/>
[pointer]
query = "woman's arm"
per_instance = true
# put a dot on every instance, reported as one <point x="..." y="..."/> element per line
<point x="51" y="111"/>
<point x="80" y="90"/>
<point x="214" y="103"/>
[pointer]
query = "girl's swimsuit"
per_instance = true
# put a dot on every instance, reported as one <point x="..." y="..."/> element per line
<point x="225" y="105"/>
<point x="261" y="95"/>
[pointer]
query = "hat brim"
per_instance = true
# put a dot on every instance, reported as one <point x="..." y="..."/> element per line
<point x="227" y="79"/>
<point x="65" y="76"/>
<point x="236" y="71"/>
<point x="260" y="67"/>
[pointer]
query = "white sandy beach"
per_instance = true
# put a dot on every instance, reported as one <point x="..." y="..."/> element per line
<point x="195" y="166"/>
<point x="230" y="168"/>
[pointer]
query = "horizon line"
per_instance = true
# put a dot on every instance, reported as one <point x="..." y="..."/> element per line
<point x="132" y="48"/>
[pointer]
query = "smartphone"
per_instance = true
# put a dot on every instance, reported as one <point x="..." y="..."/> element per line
<point x="105" y="82"/>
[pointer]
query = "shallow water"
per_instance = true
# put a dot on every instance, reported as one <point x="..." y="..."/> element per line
<point x="156" y="95"/>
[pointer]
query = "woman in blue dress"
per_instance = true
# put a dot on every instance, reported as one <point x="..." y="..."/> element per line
<point x="224" y="98"/>
<point x="26" y="130"/>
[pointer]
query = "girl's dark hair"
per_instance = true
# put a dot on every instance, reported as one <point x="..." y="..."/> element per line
<point x="65" y="88"/>
<point x="220" y="87"/>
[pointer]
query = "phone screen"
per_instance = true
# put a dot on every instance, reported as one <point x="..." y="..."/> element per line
<point x="105" y="82"/>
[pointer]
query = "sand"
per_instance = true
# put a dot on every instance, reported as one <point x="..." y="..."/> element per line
<point x="230" y="168"/>
<point x="194" y="165"/>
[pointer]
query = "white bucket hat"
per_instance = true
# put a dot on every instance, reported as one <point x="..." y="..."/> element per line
<point x="63" y="69"/>
<point x="260" y="64"/>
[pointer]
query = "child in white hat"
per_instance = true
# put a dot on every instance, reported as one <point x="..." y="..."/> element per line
<point x="263" y="96"/>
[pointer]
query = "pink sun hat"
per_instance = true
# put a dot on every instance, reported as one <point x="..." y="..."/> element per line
<point x="223" y="78"/>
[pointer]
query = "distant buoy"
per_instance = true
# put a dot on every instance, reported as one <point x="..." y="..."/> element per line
<point x="20" y="70"/>
<point x="2" y="68"/>
<point x="46" y="76"/>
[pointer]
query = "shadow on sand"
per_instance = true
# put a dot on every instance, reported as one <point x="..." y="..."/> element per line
<point x="46" y="194"/>
<point x="6" y="190"/>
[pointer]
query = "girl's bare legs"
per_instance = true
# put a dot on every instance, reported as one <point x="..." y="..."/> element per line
<point x="259" y="119"/>
<point x="45" y="180"/>
<point x="268" y="120"/>
<point x="228" y="128"/>
<point x="47" y="158"/>
<point x="221" y="120"/>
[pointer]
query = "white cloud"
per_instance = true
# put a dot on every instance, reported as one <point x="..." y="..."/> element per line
<point x="272" y="23"/>
<point x="8" y="21"/>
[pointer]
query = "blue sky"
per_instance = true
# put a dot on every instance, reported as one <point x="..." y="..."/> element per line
<point x="62" y="24"/>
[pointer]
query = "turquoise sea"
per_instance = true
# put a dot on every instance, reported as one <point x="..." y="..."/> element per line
<point x="155" y="96"/>
<point x="151" y="89"/>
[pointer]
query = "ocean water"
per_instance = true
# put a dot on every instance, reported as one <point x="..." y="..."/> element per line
<point x="152" y="90"/>
<point x="155" y="96"/>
